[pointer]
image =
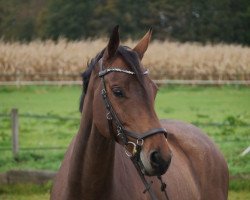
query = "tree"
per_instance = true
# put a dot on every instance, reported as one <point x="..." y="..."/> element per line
<point x="183" y="20"/>
<point x="66" y="18"/>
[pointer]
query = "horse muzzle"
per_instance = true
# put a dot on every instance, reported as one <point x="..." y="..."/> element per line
<point x="155" y="164"/>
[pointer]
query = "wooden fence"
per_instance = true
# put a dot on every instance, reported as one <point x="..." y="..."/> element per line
<point x="14" y="117"/>
<point x="21" y="79"/>
<point x="158" y="82"/>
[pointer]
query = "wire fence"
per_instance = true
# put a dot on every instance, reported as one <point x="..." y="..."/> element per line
<point x="14" y="118"/>
<point x="52" y="116"/>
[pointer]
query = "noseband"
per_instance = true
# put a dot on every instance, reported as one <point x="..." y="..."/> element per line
<point x="122" y="135"/>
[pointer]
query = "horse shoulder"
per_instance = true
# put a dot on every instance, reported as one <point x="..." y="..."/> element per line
<point x="207" y="165"/>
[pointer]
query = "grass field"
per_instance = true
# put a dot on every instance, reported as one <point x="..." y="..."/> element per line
<point x="229" y="106"/>
<point x="41" y="192"/>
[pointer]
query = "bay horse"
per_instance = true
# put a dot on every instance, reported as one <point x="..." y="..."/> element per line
<point x="170" y="159"/>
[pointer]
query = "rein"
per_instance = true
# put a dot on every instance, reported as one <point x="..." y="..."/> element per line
<point x="121" y="135"/>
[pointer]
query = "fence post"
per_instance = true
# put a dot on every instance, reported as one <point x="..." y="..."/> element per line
<point x="15" y="126"/>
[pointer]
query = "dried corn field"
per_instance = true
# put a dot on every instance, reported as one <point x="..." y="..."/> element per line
<point x="64" y="60"/>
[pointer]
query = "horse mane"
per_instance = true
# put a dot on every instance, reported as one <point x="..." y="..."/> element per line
<point x="129" y="56"/>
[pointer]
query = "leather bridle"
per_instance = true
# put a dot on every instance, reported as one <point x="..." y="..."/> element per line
<point x="121" y="135"/>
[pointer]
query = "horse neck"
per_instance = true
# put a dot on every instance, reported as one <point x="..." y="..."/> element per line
<point x="93" y="161"/>
<point x="98" y="165"/>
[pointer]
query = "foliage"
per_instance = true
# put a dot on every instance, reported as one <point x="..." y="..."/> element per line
<point x="182" y="20"/>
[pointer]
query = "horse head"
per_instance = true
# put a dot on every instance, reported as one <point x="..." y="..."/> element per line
<point x="123" y="104"/>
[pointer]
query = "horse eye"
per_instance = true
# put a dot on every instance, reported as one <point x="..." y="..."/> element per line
<point x="118" y="92"/>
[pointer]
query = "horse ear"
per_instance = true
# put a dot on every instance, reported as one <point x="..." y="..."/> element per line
<point x="142" y="46"/>
<point x="113" y="44"/>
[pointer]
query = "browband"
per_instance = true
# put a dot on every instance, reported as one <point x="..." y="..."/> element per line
<point x="108" y="70"/>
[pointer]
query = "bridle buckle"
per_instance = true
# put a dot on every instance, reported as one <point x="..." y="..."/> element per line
<point x="134" y="150"/>
<point x="109" y="116"/>
<point x="104" y="93"/>
<point x="119" y="130"/>
<point x="140" y="142"/>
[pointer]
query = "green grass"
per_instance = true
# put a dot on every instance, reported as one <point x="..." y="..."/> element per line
<point x="25" y="192"/>
<point x="242" y="195"/>
<point x="227" y="105"/>
<point x="41" y="192"/>
<point x="203" y="103"/>
<point x="35" y="132"/>
<point x="41" y="99"/>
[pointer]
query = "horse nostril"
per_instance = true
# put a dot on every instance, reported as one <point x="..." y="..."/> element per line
<point x="155" y="158"/>
<point x="159" y="163"/>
